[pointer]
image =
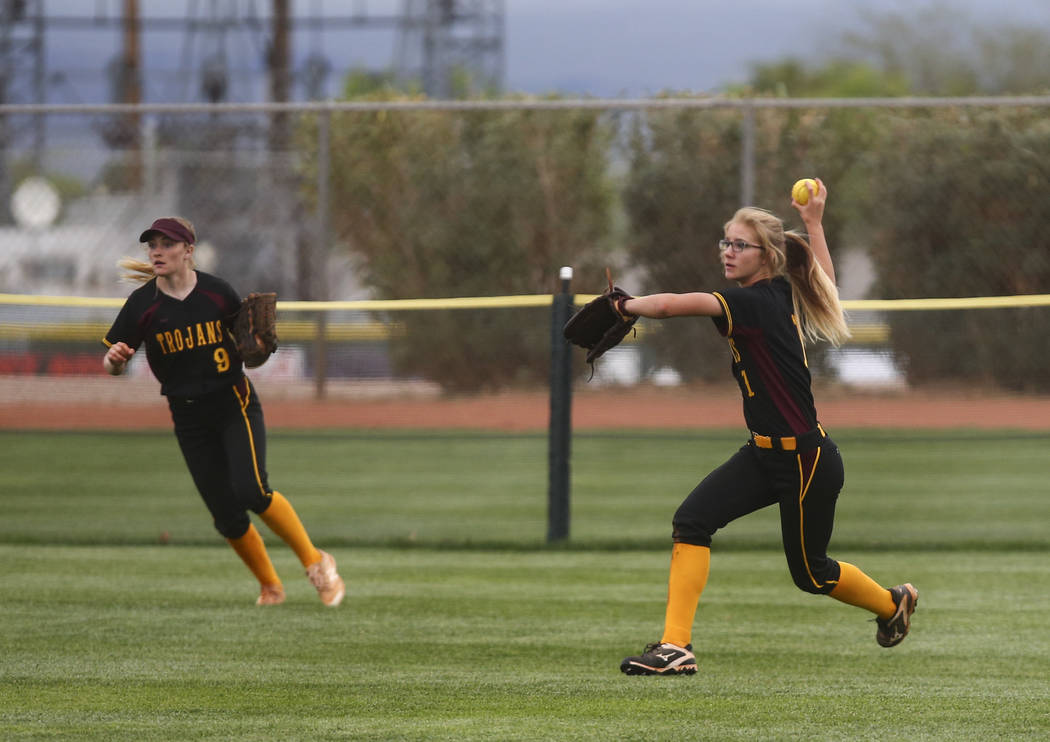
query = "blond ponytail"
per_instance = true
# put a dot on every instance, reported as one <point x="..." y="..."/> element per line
<point x="139" y="271"/>
<point x="815" y="297"/>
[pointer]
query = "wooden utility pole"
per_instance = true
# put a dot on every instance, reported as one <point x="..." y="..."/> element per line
<point x="131" y="91"/>
<point x="280" y="73"/>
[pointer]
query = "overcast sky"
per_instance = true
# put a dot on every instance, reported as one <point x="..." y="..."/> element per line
<point x="604" y="48"/>
<point x="614" y="47"/>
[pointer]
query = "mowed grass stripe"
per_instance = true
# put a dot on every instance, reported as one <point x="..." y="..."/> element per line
<point x="164" y="643"/>
<point x="918" y="490"/>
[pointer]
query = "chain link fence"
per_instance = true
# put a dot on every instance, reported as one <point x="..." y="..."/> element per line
<point x="405" y="199"/>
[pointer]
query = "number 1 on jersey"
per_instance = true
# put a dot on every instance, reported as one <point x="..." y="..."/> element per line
<point x="747" y="384"/>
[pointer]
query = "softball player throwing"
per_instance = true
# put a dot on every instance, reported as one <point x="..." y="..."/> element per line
<point x="786" y="295"/>
<point x="183" y="316"/>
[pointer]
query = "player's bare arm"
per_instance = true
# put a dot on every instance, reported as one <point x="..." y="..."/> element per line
<point x="812" y="213"/>
<point x="661" y="306"/>
<point x="117" y="357"/>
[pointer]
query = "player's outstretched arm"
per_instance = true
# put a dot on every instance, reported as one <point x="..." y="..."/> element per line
<point x="117" y="357"/>
<point x="661" y="306"/>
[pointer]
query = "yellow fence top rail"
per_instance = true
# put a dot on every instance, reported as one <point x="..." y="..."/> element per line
<point x="371" y="305"/>
<point x="541" y="300"/>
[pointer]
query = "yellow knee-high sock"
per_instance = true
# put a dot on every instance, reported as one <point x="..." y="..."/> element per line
<point x="689" y="568"/>
<point x="856" y="588"/>
<point x="283" y="520"/>
<point x="252" y="551"/>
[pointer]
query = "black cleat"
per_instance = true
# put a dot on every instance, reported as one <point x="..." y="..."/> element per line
<point x="892" y="631"/>
<point x="661" y="658"/>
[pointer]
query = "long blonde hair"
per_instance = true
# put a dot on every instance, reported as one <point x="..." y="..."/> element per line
<point x="139" y="271"/>
<point x="813" y="294"/>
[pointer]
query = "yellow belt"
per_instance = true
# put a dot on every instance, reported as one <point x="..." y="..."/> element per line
<point x="808" y="440"/>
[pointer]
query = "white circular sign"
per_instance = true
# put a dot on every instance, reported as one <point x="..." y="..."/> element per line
<point x="35" y="203"/>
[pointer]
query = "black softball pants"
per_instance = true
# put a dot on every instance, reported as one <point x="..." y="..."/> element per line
<point x="805" y="486"/>
<point x="223" y="440"/>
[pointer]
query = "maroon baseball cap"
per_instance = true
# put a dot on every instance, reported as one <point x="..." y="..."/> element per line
<point x="172" y="228"/>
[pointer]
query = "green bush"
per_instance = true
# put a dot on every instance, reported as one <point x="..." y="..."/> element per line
<point x="476" y="203"/>
<point x="963" y="207"/>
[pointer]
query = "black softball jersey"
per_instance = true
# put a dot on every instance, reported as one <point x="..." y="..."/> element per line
<point x="769" y="357"/>
<point x="187" y="344"/>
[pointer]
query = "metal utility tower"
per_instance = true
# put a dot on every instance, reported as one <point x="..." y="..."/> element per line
<point x="452" y="46"/>
<point x="210" y="32"/>
<point x="22" y="80"/>
<point x="22" y="75"/>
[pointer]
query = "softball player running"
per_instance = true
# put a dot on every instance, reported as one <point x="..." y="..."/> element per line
<point x="183" y="317"/>
<point x="786" y="295"/>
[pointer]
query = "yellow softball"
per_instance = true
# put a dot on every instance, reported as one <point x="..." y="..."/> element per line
<point x="800" y="191"/>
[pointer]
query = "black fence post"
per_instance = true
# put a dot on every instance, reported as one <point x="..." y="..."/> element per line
<point x="560" y="436"/>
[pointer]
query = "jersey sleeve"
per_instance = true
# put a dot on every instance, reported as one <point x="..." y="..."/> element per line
<point x="740" y="308"/>
<point x="225" y="297"/>
<point x="234" y="299"/>
<point x="127" y="327"/>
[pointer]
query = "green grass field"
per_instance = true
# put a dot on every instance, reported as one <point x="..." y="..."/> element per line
<point x="462" y="624"/>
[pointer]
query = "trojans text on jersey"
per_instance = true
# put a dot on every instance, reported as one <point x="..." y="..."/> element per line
<point x="193" y="336"/>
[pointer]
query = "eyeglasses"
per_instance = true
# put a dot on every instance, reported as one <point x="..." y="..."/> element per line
<point x="737" y="246"/>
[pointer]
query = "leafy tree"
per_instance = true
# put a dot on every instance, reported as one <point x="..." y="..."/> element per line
<point x="837" y="78"/>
